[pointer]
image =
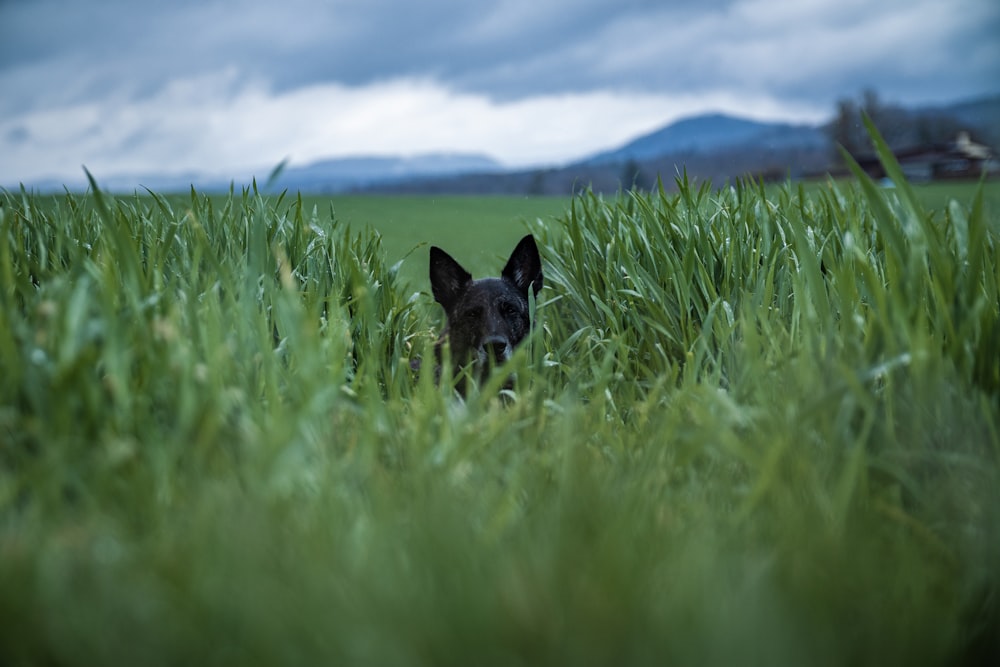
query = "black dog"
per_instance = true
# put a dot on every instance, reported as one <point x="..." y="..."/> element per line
<point x="487" y="318"/>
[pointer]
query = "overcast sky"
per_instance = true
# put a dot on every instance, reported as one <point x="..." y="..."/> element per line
<point x="230" y="88"/>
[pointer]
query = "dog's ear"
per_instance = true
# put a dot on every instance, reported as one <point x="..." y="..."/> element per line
<point x="524" y="268"/>
<point x="448" y="278"/>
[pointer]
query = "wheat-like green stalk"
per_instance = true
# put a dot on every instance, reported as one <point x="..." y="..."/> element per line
<point x="753" y="425"/>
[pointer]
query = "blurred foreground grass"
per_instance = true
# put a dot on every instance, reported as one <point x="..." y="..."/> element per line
<point x="755" y="427"/>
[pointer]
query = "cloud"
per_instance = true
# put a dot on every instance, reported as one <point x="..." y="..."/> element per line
<point x="203" y="121"/>
<point x="507" y="49"/>
<point x="125" y="84"/>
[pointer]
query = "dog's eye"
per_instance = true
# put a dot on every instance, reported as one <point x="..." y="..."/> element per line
<point x="508" y="310"/>
<point x="474" y="313"/>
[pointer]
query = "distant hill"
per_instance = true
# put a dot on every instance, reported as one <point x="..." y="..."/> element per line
<point x="713" y="146"/>
<point x="713" y="132"/>
<point x="324" y="176"/>
<point x="350" y="173"/>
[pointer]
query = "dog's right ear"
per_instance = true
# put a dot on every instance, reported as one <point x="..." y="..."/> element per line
<point x="448" y="278"/>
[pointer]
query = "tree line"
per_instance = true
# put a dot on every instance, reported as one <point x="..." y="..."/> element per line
<point x="901" y="128"/>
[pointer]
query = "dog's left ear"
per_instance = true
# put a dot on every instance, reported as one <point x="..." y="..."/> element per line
<point x="524" y="268"/>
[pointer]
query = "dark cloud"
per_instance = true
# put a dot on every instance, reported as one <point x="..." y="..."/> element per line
<point x="508" y="49"/>
<point x="17" y="135"/>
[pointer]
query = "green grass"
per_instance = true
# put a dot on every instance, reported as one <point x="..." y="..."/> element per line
<point x="754" y="427"/>
<point x="478" y="229"/>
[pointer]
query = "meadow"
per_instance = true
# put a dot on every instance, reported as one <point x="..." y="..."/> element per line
<point x="480" y="229"/>
<point x="753" y="426"/>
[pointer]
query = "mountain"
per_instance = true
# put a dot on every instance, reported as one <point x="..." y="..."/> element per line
<point x="712" y="132"/>
<point x="324" y="176"/>
<point x="340" y="174"/>
<point x="714" y="146"/>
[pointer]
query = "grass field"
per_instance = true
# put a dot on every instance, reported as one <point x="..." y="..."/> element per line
<point x="479" y="229"/>
<point x="755" y="426"/>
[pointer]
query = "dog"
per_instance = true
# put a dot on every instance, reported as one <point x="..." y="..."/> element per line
<point x="489" y="317"/>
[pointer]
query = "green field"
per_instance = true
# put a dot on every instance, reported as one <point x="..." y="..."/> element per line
<point x="756" y="426"/>
<point x="478" y="229"/>
<point x="481" y="230"/>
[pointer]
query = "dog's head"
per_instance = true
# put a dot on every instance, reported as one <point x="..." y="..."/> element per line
<point x="487" y="318"/>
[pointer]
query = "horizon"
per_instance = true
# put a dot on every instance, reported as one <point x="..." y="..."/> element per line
<point x="107" y="83"/>
<point x="260" y="173"/>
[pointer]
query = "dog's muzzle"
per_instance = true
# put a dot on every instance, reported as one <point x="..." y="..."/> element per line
<point x="494" y="350"/>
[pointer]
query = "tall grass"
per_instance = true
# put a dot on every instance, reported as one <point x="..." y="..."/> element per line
<point x="752" y="428"/>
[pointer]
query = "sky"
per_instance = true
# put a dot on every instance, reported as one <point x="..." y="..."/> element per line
<point x="232" y="88"/>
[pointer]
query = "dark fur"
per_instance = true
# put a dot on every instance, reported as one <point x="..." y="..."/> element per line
<point x="489" y="317"/>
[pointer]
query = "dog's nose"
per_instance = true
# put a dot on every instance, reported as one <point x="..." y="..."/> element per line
<point x="497" y="349"/>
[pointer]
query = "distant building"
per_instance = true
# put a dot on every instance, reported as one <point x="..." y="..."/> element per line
<point x="958" y="159"/>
